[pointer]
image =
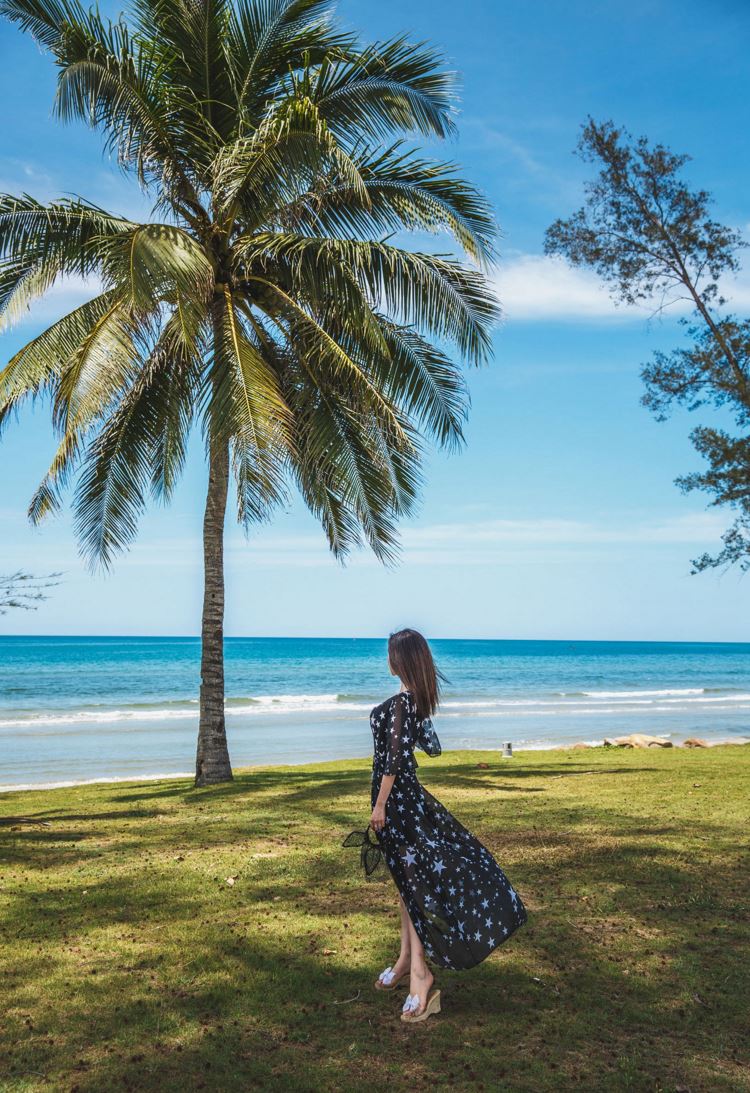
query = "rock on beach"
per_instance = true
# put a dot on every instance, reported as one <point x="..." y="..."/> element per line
<point x="638" y="740"/>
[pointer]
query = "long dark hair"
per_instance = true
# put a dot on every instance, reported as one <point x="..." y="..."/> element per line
<point x="411" y="659"/>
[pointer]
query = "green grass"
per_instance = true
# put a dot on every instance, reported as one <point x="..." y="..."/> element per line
<point x="129" y="962"/>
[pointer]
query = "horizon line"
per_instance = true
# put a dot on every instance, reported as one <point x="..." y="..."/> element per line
<point x="344" y="637"/>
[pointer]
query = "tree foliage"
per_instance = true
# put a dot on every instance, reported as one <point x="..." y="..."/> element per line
<point x="651" y="237"/>
<point x="266" y="302"/>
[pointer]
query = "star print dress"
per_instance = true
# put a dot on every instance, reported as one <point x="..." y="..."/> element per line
<point x="461" y="902"/>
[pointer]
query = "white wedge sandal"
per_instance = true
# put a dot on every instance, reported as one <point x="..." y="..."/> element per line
<point x="387" y="981"/>
<point x="408" y="1011"/>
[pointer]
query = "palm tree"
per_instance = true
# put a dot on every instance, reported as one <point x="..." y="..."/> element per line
<point x="267" y="301"/>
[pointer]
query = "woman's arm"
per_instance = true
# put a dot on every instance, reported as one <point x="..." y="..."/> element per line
<point x="377" y="820"/>
<point x="398" y="738"/>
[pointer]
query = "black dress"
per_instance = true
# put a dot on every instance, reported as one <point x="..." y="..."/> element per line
<point x="461" y="902"/>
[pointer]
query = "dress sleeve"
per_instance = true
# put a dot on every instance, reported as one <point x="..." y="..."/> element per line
<point x="399" y="733"/>
<point x="427" y="739"/>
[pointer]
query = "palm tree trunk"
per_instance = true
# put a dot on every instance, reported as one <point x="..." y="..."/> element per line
<point x="212" y="761"/>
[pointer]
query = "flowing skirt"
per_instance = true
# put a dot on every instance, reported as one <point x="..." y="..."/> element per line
<point x="461" y="902"/>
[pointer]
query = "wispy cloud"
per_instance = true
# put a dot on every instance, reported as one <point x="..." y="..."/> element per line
<point x="18" y="176"/>
<point x="476" y="133"/>
<point x="66" y="295"/>
<point x="691" y="528"/>
<point x="498" y="541"/>
<point x="464" y="544"/>
<point x="111" y="189"/>
<point x="538" y="172"/>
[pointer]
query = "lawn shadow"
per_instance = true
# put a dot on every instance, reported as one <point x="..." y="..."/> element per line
<point x="131" y="963"/>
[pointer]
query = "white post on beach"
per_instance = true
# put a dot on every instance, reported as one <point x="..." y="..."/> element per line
<point x="508" y="751"/>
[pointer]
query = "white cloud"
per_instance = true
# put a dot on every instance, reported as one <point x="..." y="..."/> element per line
<point x="542" y="287"/>
<point x="533" y="286"/>
<point x="737" y="292"/>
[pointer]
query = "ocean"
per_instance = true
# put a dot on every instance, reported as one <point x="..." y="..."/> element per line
<point x="76" y="709"/>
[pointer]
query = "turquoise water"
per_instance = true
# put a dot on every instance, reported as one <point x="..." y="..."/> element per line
<point x="74" y="709"/>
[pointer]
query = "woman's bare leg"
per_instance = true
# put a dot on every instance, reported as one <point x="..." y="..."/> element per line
<point x="404" y="959"/>
<point x="421" y="977"/>
<point x="405" y="924"/>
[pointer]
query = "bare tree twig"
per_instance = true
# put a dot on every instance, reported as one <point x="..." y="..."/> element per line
<point x="24" y="591"/>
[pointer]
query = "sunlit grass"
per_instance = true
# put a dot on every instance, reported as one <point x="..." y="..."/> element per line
<point x="130" y="962"/>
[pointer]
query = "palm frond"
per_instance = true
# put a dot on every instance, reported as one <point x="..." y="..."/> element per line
<point x="37" y="367"/>
<point x="268" y="38"/>
<point x="322" y="351"/>
<point x="153" y="264"/>
<point x="437" y="294"/>
<point x="248" y="411"/>
<point x="388" y="87"/>
<point x="195" y="34"/>
<point x="41" y="243"/>
<point x="47" y="497"/>
<point x="46" y="20"/>
<point x="340" y="467"/>
<point x="177" y="362"/>
<point x="115" y="83"/>
<point x="107" y="357"/>
<point x="292" y="145"/>
<point x="124" y="456"/>
<point x="425" y="382"/>
<point x="405" y="192"/>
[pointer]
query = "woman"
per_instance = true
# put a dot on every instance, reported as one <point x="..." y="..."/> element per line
<point x="456" y="903"/>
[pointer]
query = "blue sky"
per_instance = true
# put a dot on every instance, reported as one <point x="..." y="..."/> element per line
<point x="560" y="519"/>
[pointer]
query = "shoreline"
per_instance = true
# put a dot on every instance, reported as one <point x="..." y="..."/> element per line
<point x="34" y="787"/>
<point x="78" y="711"/>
